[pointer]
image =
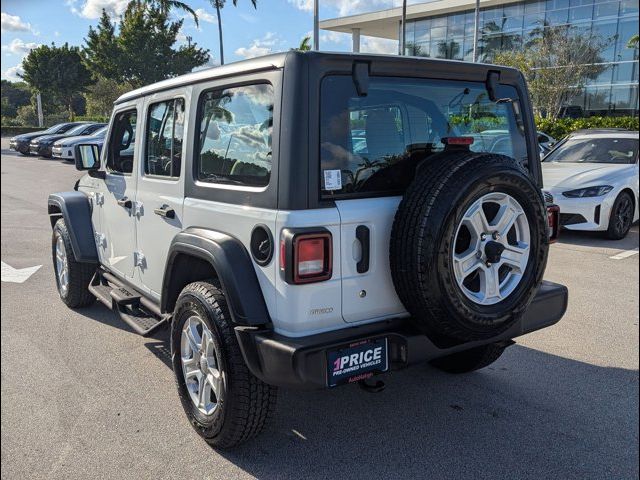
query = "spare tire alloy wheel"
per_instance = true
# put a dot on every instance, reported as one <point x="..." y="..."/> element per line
<point x="200" y="366"/>
<point x="490" y="257"/>
<point x="469" y="245"/>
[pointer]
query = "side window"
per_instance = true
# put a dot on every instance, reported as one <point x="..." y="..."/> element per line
<point x="121" y="146"/>
<point x="165" y="130"/>
<point x="235" y="128"/>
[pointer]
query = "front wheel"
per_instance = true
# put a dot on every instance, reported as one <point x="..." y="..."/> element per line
<point x="225" y="403"/>
<point x="72" y="277"/>
<point x="621" y="217"/>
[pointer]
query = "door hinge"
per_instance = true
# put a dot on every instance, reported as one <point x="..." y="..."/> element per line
<point x="138" y="259"/>
<point x="101" y="240"/>
<point x="136" y="209"/>
<point x="99" y="198"/>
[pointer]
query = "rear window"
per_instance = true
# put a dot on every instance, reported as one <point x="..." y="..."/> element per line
<point x="371" y="145"/>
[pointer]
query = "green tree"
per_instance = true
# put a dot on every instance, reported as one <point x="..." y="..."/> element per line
<point x="57" y="72"/>
<point x="101" y="95"/>
<point x="219" y="5"/>
<point x="14" y="96"/>
<point x="102" y="54"/>
<point x="166" y="6"/>
<point x="146" y="42"/>
<point x="557" y="62"/>
<point x="305" y="45"/>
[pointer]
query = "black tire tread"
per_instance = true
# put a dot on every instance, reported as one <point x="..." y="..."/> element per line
<point x="430" y="194"/>
<point x="250" y="401"/>
<point x="80" y="273"/>
<point x="611" y="232"/>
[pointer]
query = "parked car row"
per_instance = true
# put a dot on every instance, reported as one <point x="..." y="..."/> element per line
<point x="58" y="141"/>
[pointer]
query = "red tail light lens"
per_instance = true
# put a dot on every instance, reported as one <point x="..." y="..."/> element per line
<point x="306" y="255"/>
<point x="458" y="140"/>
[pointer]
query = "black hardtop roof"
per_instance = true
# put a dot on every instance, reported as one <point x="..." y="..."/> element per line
<point x="278" y="60"/>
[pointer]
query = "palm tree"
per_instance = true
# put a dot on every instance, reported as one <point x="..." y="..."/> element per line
<point x="219" y="5"/>
<point x="166" y="5"/>
<point x="305" y="44"/>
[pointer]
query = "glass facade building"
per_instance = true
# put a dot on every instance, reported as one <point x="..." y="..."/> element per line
<point x="508" y="27"/>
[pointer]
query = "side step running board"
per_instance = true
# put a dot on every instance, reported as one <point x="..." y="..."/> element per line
<point x="137" y="311"/>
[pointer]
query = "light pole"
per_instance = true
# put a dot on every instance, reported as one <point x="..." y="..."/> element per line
<point x="316" y="26"/>
<point x="403" y="34"/>
<point x="475" y="31"/>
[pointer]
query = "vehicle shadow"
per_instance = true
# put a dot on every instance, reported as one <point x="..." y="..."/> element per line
<point x="524" y="417"/>
<point x="598" y="240"/>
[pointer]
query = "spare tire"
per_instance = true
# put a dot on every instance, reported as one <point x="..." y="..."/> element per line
<point x="469" y="245"/>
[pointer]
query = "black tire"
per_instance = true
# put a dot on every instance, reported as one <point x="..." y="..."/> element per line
<point x="247" y="402"/>
<point x="422" y="244"/>
<point x="79" y="274"/>
<point x="621" y="217"/>
<point x="469" y="360"/>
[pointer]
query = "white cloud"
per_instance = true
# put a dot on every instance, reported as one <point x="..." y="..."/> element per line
<point x="205" y="16"/>
<point x="13" y="23"/>
<point x="19" y="47"/>
<point x="378" y="45"/>
<point x="11" y="73"/>
<point x="337" y="38"/>
<point x="259" y="46"/>
<point x="346" y="7"/>
<point x="92" y="9"/>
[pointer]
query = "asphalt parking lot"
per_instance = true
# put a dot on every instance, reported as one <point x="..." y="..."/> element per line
<point x="83" y="396"/>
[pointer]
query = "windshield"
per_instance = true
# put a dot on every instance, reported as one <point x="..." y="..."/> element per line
<point x="100" y="132"/>
<point x="371" y="145"/>
<point x="77" y="130"/>
<point x="59" y="128"/>
<point x="595" y="150"/>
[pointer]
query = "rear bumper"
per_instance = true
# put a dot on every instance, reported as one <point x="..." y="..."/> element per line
<point x="301" y="362"/>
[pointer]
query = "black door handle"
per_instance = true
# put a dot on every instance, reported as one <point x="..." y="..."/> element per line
<point x="125" y="202"/>
<point x="363" y="234"/>
<point x="165" y="211"/>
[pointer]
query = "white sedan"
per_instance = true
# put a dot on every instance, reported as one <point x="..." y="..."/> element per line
<point x="593" y="177"/>
<point x="65" y="147"/>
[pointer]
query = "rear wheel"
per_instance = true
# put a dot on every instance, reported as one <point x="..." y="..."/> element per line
<point x="225" y="403"/>
<point x="469" y="360"/>
<point x="621" y="217"/>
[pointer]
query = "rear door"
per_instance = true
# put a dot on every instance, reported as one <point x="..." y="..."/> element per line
<point x="161" y="185"/>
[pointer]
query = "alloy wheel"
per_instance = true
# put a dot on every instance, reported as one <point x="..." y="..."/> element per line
<point x="491" y="248"/>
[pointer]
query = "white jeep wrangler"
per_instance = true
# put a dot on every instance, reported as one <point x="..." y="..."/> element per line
<point x="308" y="220"/>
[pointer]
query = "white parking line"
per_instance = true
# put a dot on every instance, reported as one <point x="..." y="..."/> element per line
<point x="625" y="254"/>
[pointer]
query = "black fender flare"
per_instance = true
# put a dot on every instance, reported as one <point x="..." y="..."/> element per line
<point x="235" y="271"/>
<point x="75" y="208"/>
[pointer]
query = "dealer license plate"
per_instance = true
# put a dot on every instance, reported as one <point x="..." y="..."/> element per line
<point x="356" y="361"/>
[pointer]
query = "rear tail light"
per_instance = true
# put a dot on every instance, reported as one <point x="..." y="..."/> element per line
<point x="306" y="255"/>
<point x="553" y="219"/>
<point x="457" y="140"/>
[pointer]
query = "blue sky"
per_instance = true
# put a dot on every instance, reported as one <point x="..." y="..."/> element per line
<point x="276" y="25"/>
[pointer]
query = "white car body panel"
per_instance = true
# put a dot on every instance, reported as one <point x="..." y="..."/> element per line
<point x="560" y="177"/>
<point x="65" y="148"/>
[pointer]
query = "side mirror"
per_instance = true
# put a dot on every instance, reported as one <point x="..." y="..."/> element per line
<point x="87" y="157"/>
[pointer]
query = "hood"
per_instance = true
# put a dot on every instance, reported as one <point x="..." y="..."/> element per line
<point x="70" y="141"/>
<point x="49" y="138"/>
<point x="579" y="175"/>
<point x="28" y="136"/>
<point x="73" y="141"/>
